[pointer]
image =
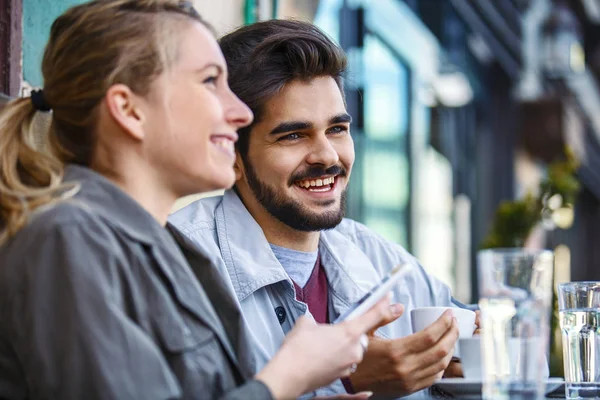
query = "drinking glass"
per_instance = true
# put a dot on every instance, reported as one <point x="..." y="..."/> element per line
<point x="515" y="291"/>
<point x="579" y="310"/>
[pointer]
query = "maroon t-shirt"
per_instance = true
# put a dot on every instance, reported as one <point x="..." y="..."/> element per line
<point x="316" y="293"/>
<point x="316" y="296"/>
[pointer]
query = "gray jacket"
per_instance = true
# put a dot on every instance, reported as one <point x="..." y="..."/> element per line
<point x="98" y="301"/>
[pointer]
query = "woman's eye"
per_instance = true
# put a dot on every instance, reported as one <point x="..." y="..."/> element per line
<point x="211" y="80"/>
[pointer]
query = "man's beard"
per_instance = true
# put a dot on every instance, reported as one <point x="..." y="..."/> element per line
<point x="291" y="212"/>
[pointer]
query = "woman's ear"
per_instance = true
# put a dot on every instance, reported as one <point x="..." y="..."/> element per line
<point x="120" y="102"/>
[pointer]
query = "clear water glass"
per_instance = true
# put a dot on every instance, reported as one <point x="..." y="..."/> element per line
<point x="579" y="310"/>
<point x="515" y="291"/>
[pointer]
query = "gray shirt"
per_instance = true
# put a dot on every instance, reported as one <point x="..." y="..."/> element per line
<point x="299" y="265"/>
<point x="98" y="301"/>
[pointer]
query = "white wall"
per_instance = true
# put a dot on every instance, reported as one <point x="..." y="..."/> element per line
<point x="226" y="15"/>
<point x="223" y="15"/>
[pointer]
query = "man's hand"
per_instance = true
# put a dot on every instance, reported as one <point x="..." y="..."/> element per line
<point x="406" y="365"/>
<point x="454" y="369"/>
<point x="477" y="322"/>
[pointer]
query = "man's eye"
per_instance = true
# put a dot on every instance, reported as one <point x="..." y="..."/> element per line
<point x="338" y="129"/>
<point x="291" y="136"/>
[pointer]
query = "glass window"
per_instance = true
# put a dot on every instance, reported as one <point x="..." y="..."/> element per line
<point x="386" y="97"/>
<point x="385" y="168"/>
<point x="379" y="189"/>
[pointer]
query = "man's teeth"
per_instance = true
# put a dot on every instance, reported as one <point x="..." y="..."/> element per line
<point x="316" y="183"/>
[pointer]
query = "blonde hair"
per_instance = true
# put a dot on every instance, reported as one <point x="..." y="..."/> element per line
<point x="91" y="47"/>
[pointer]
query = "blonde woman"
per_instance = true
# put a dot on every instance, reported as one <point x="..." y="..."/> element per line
<point x="98" y="297"/>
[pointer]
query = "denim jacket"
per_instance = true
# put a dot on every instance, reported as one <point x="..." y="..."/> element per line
<point x="354" y="258"/>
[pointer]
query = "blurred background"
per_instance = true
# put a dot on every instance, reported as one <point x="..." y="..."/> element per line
<point x="459" y="107"/>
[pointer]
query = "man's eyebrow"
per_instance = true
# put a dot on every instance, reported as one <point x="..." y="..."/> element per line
<point x="340" y="118"/>
<point x="291" y="126"/>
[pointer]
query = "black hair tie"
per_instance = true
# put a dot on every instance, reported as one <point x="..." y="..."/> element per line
<point x="39" y="101"/>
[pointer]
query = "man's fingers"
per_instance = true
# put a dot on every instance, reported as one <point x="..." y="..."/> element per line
<point x="435" y="367"/>
<point x="454" y="370"/>
<point x="428" y="338"/>
<point x="437" y="359"/>
<point x="396" y="311"/>
<point x="477" y="323"/>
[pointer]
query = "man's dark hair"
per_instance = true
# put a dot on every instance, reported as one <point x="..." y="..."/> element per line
<point x="263" y="57"/>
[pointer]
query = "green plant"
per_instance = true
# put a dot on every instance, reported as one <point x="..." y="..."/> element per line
<point x="561" y="179"/>
<point x="514" y="220"/>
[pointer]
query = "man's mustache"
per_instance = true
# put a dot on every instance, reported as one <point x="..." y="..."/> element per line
<point x="316" y="172"/>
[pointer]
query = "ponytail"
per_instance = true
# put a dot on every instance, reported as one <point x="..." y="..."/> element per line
<point x="92" y="46"/>
<point x="30" y="171"/>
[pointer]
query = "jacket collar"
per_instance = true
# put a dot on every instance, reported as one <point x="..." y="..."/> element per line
<point x="349" y="271"/>
<point x="112" y="203"/>
<point x="228" y="325"/>
<point x="252" y="265"/>
<point x="249" y="259"/>
<point x="124" y="213"/>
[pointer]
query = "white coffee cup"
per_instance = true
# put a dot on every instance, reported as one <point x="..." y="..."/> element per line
<point x="422" y="317"/>
<point x="472" y="361"/>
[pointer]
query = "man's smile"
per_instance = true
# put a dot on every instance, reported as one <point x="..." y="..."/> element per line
<point x="321" y="184"/>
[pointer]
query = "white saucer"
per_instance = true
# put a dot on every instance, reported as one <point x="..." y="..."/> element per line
<point x="472" y="387"/>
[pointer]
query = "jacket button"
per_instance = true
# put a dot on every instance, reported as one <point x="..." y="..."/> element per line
<point x="280" y="312"/>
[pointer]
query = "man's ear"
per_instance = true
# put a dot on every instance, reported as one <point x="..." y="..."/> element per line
<point x="238" y="167"/>
<point x="120" y="102"/>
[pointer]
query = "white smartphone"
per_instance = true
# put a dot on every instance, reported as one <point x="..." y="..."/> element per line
<point x="375" y="294"/>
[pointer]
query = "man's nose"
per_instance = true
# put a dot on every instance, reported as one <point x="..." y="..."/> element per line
<point x="323" y="152"/>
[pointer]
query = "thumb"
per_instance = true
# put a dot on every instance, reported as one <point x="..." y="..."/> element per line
<point x="304" y="321"/>
<point x="396" y="311"/>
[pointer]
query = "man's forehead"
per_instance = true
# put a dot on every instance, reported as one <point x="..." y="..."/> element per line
<point x="317" y="100"/>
